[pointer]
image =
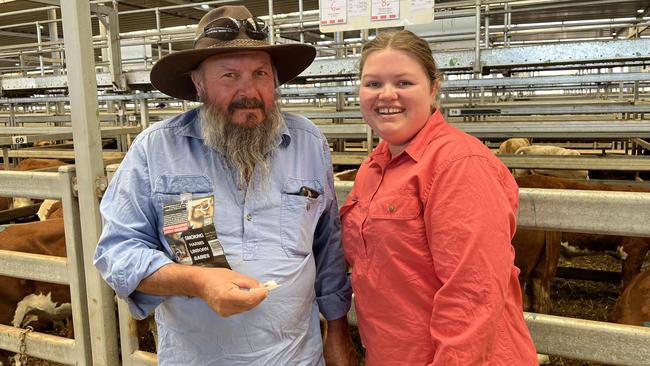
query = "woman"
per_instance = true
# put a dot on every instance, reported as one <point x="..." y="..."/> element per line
<point x="427" y="226"/>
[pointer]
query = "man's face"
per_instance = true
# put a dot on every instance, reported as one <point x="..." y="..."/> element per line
<point x="241" y="84"/>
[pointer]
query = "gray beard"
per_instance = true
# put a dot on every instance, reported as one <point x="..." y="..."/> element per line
<point x="244" y="147"/>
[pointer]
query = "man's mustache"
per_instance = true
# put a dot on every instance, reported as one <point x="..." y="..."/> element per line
<point x="245" y="103"/>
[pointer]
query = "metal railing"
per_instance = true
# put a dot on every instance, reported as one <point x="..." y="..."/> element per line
<point x="66" y="271"/>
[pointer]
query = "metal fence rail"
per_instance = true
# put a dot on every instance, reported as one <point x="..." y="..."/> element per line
<point x="567" y="210"/>
<point x="51" y="269"/>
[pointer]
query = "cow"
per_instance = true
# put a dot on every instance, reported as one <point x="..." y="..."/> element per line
<point x="510" y="146"/>
<point x="550" y="150"/>
<point x="33" y="164"/>
<point x="346" y="175"/>
<point x="41" y="237"/>
<point x="50" y="209"/>
<point x="4" y="203"/>
<point x="21" y="299"/>
<point x="537" y="254"/>
<point x="38" y="164"/>
<point x="633" y="305"/>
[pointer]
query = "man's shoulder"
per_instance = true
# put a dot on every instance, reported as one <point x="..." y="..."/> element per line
<point x="299" y="124"/>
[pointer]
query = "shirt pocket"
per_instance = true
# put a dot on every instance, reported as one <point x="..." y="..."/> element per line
<point x="299" y="216"/>
<point x="168" y="189"/>
<point x="394" y="229"/>
<point x="395" y="207"/>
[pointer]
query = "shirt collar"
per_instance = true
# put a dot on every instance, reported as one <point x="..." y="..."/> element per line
<point x="418" y="145"/>
<point x="190" y="125"/>
<point x="415" y="149"/>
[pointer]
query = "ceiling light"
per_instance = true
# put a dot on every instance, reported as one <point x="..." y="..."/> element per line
<point x="205" y="7"/>
<point x="640" y="11"/>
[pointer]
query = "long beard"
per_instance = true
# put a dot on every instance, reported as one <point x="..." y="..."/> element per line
<point x="244" y="146"/>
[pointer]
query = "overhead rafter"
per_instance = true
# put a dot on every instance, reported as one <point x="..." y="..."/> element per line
<point x="94" y="8"/>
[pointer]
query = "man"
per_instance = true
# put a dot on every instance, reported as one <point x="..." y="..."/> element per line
<point x="274" y="218"/>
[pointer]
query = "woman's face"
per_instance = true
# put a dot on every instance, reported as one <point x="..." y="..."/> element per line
<point x="396" y="96"/>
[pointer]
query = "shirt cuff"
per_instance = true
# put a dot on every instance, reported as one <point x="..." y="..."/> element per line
<point x="336" y="305"/>
<point x="140" y="304"/>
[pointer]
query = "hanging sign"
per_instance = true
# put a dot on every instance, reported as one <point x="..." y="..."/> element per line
<point x="345" y="15"/>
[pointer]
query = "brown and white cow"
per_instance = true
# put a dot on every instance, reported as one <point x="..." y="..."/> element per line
<point x="510" y="146"/>
<point x="550" y="150"/>
<point x="32" y="164"/>
<point x="633" y="305"/>
<point x="50" y="209"/>
<point x="41" y="237"/>
<point x="537" y="254"/>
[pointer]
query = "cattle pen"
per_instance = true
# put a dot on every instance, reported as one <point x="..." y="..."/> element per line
<point x="75" y="86"/>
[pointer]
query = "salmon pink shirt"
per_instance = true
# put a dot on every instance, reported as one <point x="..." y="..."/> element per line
<point x="427" y="234"/>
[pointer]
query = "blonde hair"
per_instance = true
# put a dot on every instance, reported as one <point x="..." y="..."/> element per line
<point x="407" y="42"/>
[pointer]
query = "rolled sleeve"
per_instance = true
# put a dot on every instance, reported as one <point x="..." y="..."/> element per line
<point x="333" y="290"/>
<point x="129" y="249"/>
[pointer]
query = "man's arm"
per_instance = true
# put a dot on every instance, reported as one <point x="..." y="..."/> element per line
<point x="337" y="345"/>
<point x="333" y="291"/>
<point x="227" y="292"/>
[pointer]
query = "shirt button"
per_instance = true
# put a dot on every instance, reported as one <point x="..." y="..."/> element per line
<point x="391" y="208"/>
<point x="249" y="217"/>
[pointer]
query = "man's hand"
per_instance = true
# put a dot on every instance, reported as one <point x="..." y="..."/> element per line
<point x="337" y="344"/>
<point x="226" y="292"/>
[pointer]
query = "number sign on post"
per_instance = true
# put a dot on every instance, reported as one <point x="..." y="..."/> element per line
<point x="18" y="140"/>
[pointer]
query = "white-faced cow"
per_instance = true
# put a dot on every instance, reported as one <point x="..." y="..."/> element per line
<point x="41" y="237"/>
<point x="550" y="150"/>
<point x="510" y="146"/>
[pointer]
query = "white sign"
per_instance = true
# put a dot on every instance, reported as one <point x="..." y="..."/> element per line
<point x="384" y="10"/>
<point x="19" y="140"/>
<point x="359" y="8"/>
<point x="333" y="12"/>
<point x="421" y="4"/>
<point x="340" y="15"/>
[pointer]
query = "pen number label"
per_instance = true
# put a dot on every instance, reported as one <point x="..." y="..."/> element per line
<point x="19" y="140"/>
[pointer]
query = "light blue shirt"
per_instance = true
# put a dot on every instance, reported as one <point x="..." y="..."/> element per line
<point x="266" y="232"/>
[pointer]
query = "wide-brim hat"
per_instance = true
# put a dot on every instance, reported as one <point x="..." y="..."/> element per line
<point x="171" y="74"/>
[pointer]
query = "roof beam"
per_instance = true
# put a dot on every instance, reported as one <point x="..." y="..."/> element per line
<point x="94" y="8"/>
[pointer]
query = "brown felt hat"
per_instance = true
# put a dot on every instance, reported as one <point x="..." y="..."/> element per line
<point x="171" y="74"/>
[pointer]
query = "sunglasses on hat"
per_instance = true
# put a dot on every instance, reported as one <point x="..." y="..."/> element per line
<point x="227" y="28"/>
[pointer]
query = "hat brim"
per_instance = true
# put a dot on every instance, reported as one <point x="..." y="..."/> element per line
<point x="171" y="74"/>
